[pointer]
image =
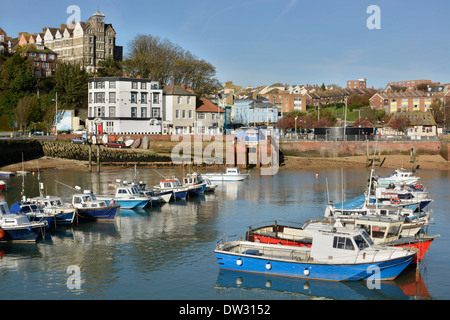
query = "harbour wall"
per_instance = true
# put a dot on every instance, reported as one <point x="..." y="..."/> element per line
<point x="159" y="150"/>
<point x="357" y="148"/>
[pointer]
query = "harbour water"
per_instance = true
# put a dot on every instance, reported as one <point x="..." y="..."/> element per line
<point x="166" y="252"/>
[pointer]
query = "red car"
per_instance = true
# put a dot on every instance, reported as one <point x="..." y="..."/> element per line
<point x="115" y="144"/>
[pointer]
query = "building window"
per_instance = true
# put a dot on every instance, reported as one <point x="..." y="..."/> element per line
<point x="190" y="114"/>
<point x="112" y="97"/>
<point x="156" y="98"/>
<point x="179" y="99"/>
<point x="201" y="116"/>
<point x="184" y="114"/>
<point x="144" y="112"/>
<point x="112" y="84"/>
<point x="133" y="97"/>
<point x="143" y="85"/>
<point x="112" y="112"/>
<point x="189" y="100"/>
<point x="177" y="114"/>
<point x="99" y="97"/>
<point x="155" y="112"/>
<point x="133" y="112"/>
<point x="109" y="126"/>
<point x="144" y="97"/>
<point x="134" y="85"/>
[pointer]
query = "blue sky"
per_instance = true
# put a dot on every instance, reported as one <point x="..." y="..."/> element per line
<point x="257" y="42"/>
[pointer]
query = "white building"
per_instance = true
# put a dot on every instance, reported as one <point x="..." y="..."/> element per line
<point x="125" y="106"/>
<point x="179" y="106"/>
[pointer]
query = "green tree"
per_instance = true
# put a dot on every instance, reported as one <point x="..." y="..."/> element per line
<point x="24" y="110"/>
<point x="16" y="81"/>
<point x="71" y="86"/>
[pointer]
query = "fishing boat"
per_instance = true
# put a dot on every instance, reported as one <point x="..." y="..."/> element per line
<point x="64" y="213"/>
<point x="194" y="185"/>
<point x="127" y="196"/>
<point x="2" y="184"/>
<point x="398" y="178"/>
<point x="382" y="231"/>
<point x="210" y="187"/>
<point x="178" y="191"/>
<point x="401" y="196"/>
<point x="17" y="227"/>
<point x="155" y="198"/>
<point x="7" y="173"/>
<point x="32" y="211"/>
<point x="231" y="174"/>
<point x="413" y="221"/>
<point x="89" y="208"/>
<point x="335" y="254"/>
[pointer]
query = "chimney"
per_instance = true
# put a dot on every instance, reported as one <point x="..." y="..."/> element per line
<point x="183" y="86"/>
<point x="138" y="76"/>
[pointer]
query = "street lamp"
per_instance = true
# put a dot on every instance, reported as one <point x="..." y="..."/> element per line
<point x="296" y="126"/>
<point x="56" y="112"/>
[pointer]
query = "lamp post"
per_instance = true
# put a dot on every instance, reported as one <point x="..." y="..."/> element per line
<point x="56" y="112"/>
<point x="296" y="127"/>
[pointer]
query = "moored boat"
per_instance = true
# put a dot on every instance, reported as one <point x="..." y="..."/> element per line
<point x="382" y="230"/>
<point x="2" y="185"/>
<point x="398" y="178"/>
<point x="89" y="208"/>
<point x="173" y="185"/>
<point x="336" y="254"/>
<point x="194" y="185"/>
<point x="64" y="213"/>
<point x="17" y="227"/>
<point x="127" y="196"/>
<point x="231" y="174"/>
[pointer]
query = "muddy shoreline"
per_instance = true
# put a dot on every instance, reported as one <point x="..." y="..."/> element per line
<point x="424" y="162"/>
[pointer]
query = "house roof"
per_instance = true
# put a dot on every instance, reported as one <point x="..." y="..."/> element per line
<point x="176" y="90"/>
<point x="33" y="48"/>
<point x="204" y="105"/>
<point x="417" y="118"/>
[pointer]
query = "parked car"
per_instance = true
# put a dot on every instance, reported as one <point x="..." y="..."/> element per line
<point x="36" y="132"/>
<point x="79" y="140"/>
<point x="115" y="144"/>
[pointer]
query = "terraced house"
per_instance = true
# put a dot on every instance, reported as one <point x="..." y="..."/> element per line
<point x="86" y="43"/>
<point x="407" y="101"/>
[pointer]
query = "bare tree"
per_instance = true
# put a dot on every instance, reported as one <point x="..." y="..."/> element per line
<point x="24" y="109"/>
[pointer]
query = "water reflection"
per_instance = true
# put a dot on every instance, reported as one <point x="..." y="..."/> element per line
<point x="407" y="286"/>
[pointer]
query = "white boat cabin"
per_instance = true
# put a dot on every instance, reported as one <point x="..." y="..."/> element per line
<point x="87" y="200"/>
<point x="170" y="184"/>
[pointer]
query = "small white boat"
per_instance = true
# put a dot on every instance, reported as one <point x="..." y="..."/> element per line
<point x="231" y="174"/>
<point x="398" y="178"/>
<point x="90" y="208"/>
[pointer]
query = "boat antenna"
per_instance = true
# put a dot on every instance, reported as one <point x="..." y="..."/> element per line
<point x="22" y="193"/>
<point x="328" y="194"/>
<point x="66" y="185"/>
<point x="160" y="174"/>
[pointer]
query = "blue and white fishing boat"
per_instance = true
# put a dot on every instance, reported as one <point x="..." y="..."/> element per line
<point x="17" y="227"/>
<point x="398" y="178"/>
<point x="210" y="187"/>
<point x="195" y="186"/>
<point x="231" y="174"/>
<point x="89" y="208"/>
<point x="127" y="196"/>
<point x="179" y="192"/>
<point x="64" y="213"/>
<point x="155" y="198"/>
<point x="336" y="254"/>
<point x="405" y="196"/>
<point x="32" y="211"/>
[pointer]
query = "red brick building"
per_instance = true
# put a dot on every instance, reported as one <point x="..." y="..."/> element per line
<point x="357" y="84"/>
<point x="409" y="84"/>
<point x="407" y="101"/>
